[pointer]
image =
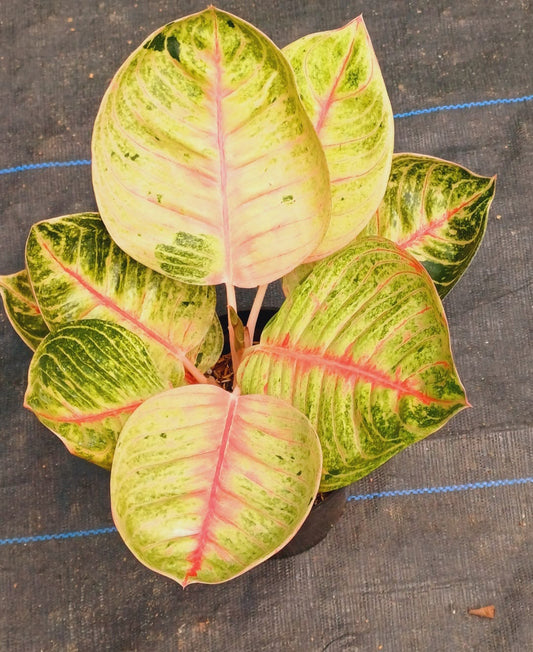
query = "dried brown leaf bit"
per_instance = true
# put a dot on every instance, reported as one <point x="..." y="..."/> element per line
<point x="483" y="612"/>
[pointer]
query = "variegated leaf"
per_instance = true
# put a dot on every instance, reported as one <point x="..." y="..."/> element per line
<point x="22" y="309"/>
<point x="204" y="159"/>
<point x="84" y="381"/>
<point x="210" y="349"/>
<point x="342" y="89"/>
<point x="361" y="347"/>
<point x="437" y="211"/>
<point x="206" y="484"/>
<point x="292" y="279"/>
<point x="78" y="272"/>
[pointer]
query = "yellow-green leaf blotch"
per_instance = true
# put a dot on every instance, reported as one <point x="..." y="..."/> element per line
<point x="210" y="349"/>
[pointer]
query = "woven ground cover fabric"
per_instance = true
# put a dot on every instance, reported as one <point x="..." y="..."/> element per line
<point x="445" y="526"/>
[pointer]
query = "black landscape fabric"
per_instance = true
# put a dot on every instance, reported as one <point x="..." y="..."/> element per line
<point x="442" y="528"/>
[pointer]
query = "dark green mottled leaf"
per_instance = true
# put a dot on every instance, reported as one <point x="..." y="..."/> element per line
<point x="22" y="309"/>
<point x="85" y="380"/>
<point x="361" y="346"/>
<point x="78" y="272"/>
<point x="437" y="211"/>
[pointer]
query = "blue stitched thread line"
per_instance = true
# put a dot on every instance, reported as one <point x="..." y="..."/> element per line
<point x="442" y="490"/>
<point x="466" y="105"/>
<point x="381" y="494"/>
<point x="60" y="535"/>
<point x="407" y="114"/>
<point x="49" y="164"/>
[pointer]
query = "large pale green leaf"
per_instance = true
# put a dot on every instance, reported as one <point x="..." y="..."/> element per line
<point x="437" y="211"/>
<point x="204" y="159"/>
<point x="78" y="272"/>
<point x="342" y="89"/>
<point x="84" y="381"/>
<point x="22" y="309"/>
<point x="361" y="347"/>
<point x="206" y="484"/>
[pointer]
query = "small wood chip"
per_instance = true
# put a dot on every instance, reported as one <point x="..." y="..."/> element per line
<point x="483" y="612"/>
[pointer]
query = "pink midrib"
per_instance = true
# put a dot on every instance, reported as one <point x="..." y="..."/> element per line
<point x="21" y="297"/>
<point x="432" y="227"/>
<point x="348" y="369"/>
<point x="196" y="557"/>
<point x="221" y="146"/>
<point x="326" y="106"/>
<point x="106" y="301"/>
<point x="90" y="418"/>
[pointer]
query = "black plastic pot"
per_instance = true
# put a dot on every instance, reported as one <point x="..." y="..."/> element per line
<point x="329" y="506"/>
<point x="316" y="526"/>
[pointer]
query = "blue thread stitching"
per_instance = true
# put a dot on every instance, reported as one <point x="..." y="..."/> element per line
<point x="407" y="114"/>
<point x="379" y="494"/>
<point x="60" y="535"/>
<point x="48" y="164"/>
<point x="466" y="105"/>
<point x="442" y="490"/>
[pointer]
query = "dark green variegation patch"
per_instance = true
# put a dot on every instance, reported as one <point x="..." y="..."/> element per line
<point x="156" y="43"/>
<point x="85" y="380"/>
<point x="437" y="211"/>
<point x="22" y="309"/>
<point x="190" y="257"/>
<point x="361" y="347"/>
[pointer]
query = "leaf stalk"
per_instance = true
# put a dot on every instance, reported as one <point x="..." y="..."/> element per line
<point x="254" y="313"/>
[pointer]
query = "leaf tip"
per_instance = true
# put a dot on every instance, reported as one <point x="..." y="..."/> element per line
<point x="355" y="22"/>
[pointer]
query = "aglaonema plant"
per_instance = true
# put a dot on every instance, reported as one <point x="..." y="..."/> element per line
<point x="219" y="159"/>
